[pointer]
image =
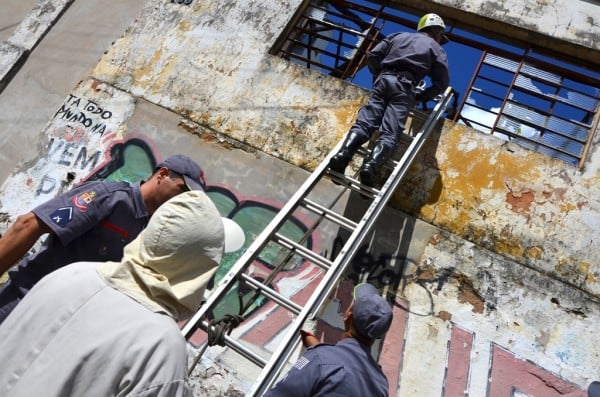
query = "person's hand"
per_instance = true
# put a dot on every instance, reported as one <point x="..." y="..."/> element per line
<point x="310" y="325"/>
<point x="307" y="332"/>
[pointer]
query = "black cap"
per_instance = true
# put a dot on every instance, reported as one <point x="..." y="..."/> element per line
<point x="186" y="167"/>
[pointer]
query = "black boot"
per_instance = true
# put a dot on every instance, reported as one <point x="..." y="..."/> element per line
<point x="373" y="163"/>
<point x="340" y="160"/>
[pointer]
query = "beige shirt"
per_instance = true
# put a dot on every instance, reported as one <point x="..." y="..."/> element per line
<point x="91" y="340"/>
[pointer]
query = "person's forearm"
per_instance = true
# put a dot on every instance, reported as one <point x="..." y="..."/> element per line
<point x="19" y="239"/>
<point x="309" y="339"/>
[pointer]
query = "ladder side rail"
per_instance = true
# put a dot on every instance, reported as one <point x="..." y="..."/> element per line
<point x="394" y="179"/>
<point x="254" y="249"/>
<point x="282" y="353"/>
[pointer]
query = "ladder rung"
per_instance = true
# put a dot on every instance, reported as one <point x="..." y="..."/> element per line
<point x="302" y="251"/>
<point x="405" y="138"/>
<point x="239" y="348"/>
<point x="271" y="294"/>
<point x="363" y="151"/>
<point x="353" y="184"/>
<point x="329" y="214"/>
<point x="365" y="190"/>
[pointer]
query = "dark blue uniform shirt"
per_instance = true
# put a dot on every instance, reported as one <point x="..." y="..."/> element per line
<point x="92" y="222"/>
<point x="417" y="53"/>
<point x="345" y="369"/>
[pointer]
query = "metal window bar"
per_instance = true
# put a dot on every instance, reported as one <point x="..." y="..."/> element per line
<point x="350" y="45"/>
<point x="550" y="132"/>
<point x="526" y="68"/>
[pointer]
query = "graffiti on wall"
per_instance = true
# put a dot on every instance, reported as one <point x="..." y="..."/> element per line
<point x="85" y="113"/>
<point x="134" y="160"/>
<point x="77" y="123"/>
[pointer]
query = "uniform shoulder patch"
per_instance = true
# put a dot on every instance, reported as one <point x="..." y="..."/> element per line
<point x="301" y="363"/>
<point x="62" y="216"/>
<point x="83" y="200"/>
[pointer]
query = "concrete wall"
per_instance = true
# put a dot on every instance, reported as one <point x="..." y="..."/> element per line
<point x="493" y="247"/>
<point x="43" y="59"/>
<point x="506" y="199"/>
<point x="569" y="27"/>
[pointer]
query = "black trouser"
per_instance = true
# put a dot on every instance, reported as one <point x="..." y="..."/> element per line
<point x="387" y="109"/>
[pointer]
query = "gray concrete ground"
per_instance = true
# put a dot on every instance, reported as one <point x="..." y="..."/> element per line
<point x="62" y="58"/>
<point x="13" y="12"/>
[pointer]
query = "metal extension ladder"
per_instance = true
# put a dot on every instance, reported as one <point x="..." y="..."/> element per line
<point x="333" y="269"/>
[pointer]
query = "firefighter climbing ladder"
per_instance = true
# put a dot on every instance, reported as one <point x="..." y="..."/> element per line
<point x="332" y="269"/>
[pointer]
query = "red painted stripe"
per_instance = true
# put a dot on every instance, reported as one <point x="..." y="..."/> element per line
<point x="115" y="228"/>
<point x="509" y="373"/>
<point x="268" y="328"/>
<point x="392" y="351"/>
<point x="459" y="363"/>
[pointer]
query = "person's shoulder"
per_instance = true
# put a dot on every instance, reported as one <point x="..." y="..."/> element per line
<point x="109" y="186"/>
<point x="321" y="346"/>
<point x="399" y="35"/>
<point x="324" y="351"/>
<point x="97" y="189"/>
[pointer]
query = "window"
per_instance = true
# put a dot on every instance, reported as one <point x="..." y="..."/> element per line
<point x="504" y="88"/>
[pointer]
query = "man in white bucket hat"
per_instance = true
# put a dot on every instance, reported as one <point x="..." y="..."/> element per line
<point x="110" y="328"/>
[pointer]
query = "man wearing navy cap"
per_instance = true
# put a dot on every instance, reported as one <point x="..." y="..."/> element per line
<point x="346" y="368"/>
<point x="92" y="222"/>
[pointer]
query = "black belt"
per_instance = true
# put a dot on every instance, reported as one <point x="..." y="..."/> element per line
<point x="401" y="73"/>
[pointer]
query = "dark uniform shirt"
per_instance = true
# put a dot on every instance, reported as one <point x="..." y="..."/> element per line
<point x="416" y="53"/>
<point x="345" y="369"/>
<point x="92" y="222"/>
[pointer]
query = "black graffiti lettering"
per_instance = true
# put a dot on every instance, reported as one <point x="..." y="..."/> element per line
<point x="93" y="108"/>
<point x="85" y="160"/>
<point x="46" y="185"/>
<point x="66" y="113"/>
<point x="378" y="270"/>
<point x="86" y="121"/>
<point x="74" y="102"/>
<point x="66" y="154"/>
<point x="62" y="111"/>
<point x="69" y="115"/>
<point x="99" y="128"/>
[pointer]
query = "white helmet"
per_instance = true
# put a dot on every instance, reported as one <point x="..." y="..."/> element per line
<point x="429" y="20"/>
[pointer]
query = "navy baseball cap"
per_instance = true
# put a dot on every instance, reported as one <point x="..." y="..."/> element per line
<point x="186" y="167"/>
<point x="594" y="389"/>
<point x="371" y="314"/>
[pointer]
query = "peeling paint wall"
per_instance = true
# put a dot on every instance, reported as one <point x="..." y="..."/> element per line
<point x="507" y="199"/>
<point x="568" y="26"/>
<point x="232" y="84"/>
<point x="521" y="204"/>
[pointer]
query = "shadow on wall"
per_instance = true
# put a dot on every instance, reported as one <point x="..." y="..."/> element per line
<point x="382" y="259"/>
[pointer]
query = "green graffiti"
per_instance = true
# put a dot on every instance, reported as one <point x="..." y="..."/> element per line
<point x="253" y="218"/>
<point x="133" y="161"/>
<point x="137" y="165"/>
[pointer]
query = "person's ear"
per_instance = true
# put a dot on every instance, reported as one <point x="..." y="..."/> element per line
<point x="162" y="173"/>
